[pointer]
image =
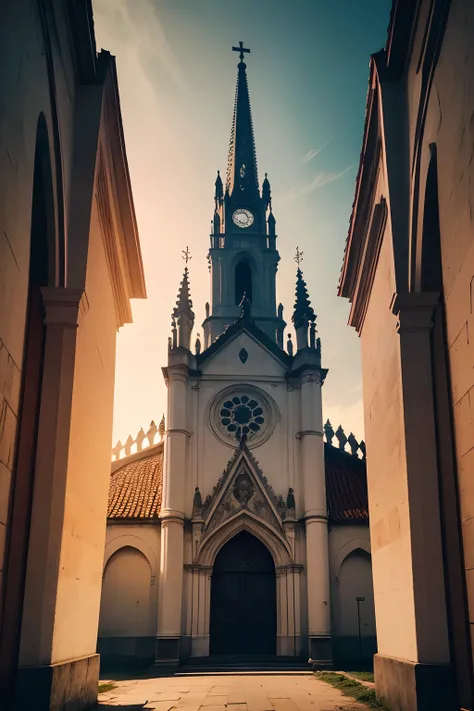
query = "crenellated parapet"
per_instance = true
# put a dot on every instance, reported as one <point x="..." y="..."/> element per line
<point x="349" y="444"/>
<point x="143" y="440"/>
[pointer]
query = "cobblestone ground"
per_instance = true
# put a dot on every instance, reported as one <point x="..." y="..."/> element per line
<point x="249" y="692"/>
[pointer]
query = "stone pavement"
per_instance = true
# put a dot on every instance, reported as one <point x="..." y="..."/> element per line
<point x="227" y="692"/>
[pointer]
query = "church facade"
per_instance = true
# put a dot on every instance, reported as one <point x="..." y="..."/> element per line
<point x="227" y="521"/>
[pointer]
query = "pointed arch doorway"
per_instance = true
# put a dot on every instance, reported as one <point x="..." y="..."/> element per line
<point x="243" y="598"/>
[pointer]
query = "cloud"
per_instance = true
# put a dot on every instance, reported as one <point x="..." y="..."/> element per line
<point x="321" y="179"/>
<point x="139" y="28"/>
<point x="314" y="152"/>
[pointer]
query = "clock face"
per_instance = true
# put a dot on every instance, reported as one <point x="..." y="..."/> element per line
<point x="242" y="217"/>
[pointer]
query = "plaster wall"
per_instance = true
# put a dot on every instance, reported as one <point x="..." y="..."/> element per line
<point x="386" y="467"/>
<point x="78" y="593"/>
<point x="451" y="114"/>
<point x="25" y="91"/>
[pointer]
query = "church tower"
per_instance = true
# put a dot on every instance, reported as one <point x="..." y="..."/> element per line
<point x="243" y="256"/>
<point x="244" y="563"/>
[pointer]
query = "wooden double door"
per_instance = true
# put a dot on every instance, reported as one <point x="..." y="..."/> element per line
<point x="243" y="599"/>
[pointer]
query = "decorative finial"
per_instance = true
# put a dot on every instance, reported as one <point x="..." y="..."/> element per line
<point x="289" y="345"/>
<point x="197" y="345"/>
<point x="241" y="49"/>
<point x="186" y="255"/>
<point x="162" y="428"/>
<point x="329" y="432"/>
<point x="298" y="257"/>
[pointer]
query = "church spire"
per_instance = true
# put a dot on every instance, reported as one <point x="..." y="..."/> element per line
<point x="183" y="312"/>
<point x="303" y="313"/>
<point x="242" y="162"/>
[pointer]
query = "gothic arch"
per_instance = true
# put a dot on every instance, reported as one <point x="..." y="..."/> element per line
<point x="356" y="544"/>
<point x="244" y="521"/>
<point x="428" y="269"/>
<point x="42" y="260"/>
<point x="130" y="541"/>
<point x="244" y="269"/>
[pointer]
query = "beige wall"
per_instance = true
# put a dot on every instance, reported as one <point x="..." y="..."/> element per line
<point x="386" y="468"/>
<point x="81" y="561"/>
<point x="25" y="92"/>
<point x="455" y="94"/>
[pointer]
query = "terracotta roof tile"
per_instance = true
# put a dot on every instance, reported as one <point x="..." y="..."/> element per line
<point x="346" y="487"/>
<point x="135" y="489"/>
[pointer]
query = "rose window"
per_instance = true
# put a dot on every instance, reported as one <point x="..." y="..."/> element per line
<point x="242" y="416"/>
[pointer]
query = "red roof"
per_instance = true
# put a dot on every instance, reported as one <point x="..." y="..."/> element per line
<point x="346" y="486"/>
<point x="136" y="487"/>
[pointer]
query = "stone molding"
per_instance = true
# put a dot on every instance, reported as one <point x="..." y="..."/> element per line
<point x="415" y="310"/>
<point x="64" y="306"/>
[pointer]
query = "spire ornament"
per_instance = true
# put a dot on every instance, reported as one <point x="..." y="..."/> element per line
<point x="241" y="49"/>
<point x="303" y="313"/>
<point x="183" y="313"/>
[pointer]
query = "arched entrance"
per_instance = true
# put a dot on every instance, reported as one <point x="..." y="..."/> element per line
<point x="243" y="598"/>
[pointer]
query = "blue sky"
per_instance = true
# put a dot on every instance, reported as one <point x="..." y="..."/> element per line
<point x="307" y="74"/>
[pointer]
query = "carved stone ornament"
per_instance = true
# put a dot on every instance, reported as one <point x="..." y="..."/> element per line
<point x="243" y="488"/>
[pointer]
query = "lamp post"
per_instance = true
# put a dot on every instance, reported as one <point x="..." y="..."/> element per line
<point x="359" y="600"/>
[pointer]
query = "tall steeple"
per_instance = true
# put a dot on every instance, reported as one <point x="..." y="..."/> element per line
<point x="242" y="173"/>
<point x="243" y="255"/>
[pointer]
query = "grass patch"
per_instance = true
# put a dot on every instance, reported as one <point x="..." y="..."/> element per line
<point x="352" y="688"/>
<point x="107" y="686"/>
<point x="362" y="675"/>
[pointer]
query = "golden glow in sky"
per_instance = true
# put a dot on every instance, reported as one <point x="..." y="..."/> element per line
<point x="307" y="75"/>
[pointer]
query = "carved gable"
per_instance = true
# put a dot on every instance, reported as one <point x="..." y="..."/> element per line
<point x="242" y="488"/>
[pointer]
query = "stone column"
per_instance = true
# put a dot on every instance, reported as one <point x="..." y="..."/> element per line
<point x="172" y="520"/>
<point x="316" y="522"/>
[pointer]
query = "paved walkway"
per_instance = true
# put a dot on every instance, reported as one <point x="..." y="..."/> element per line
<point x="250" y="692"/>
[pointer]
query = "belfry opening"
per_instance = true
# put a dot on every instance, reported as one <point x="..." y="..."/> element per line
<point x="243" y="598"/>
<point x="243" y="281"/>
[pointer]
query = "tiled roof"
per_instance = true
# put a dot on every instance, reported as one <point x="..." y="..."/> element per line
<point x="135" y="487"/>
<point x="346" y="486"/>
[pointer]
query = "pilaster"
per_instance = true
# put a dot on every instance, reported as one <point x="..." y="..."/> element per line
<point x="415" y="313"/>
<point x="64" y="309"/>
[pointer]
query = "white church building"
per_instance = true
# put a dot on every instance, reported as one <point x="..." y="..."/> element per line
<point x="243" y="531"/>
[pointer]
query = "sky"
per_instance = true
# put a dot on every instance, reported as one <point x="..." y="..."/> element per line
<point x="307" y="74"/>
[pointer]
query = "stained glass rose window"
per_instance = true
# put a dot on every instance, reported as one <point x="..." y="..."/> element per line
<point x="242" y="416"/>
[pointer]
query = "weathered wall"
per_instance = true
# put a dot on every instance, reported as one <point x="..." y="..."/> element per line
<point x="386" y="476"/>
<point x="25" y="91"/>
<point x="452" y="112"/>
<point x="89" y="463"/>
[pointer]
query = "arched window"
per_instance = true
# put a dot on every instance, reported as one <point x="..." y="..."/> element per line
<point x="243" y="281"/>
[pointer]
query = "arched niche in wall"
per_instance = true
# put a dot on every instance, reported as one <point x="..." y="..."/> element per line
<point x="353" y="607"/>
<point x="125" y="608"/>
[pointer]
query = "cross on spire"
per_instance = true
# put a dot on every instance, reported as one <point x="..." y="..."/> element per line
<point x="241" y="49"/>
<point x="298" y="257"/>
<point x="186" y="255"/>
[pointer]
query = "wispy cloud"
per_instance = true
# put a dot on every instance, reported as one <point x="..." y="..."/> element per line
<point x="140" y="29"/>
<point x="314" y="152"/>
<point x="322" y="178"/>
